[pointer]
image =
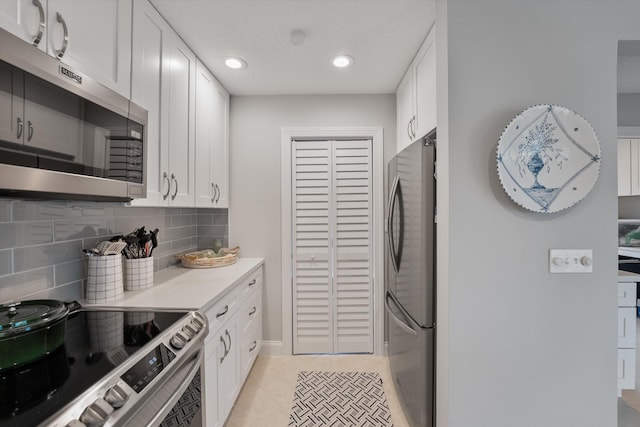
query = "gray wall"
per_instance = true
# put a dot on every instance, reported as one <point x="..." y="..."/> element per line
<point x="629" y="109"/>
<point x="527" y="348"/>
<point x="255" y="217"/>
<point x="41" y="242"/>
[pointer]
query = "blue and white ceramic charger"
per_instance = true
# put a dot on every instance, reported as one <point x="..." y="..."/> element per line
<point x="548" y="158"/>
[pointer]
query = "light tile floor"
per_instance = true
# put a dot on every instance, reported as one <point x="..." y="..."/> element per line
<point x="267" y="395"/>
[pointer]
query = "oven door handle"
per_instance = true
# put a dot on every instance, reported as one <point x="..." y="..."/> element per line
<point x="196" y="364"/>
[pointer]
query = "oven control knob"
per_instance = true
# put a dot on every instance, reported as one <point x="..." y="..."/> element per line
<point x="117" y="395"/>
<point x="178" y="340"/>
<point x="197" y="324"/>
<point x="97" y="413"/>
<point x="189" y="331"/>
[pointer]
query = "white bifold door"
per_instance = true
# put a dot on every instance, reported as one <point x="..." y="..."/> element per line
<point x="332" y="246"/>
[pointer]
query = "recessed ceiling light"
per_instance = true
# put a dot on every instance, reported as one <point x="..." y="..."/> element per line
<point x="342" y="61"/>
<point x="235" y="63"/>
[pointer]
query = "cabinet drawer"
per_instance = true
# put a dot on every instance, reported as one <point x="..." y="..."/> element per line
<point x="222" y="310"/>
<point x="626" y="294"/>
<point x="251" y="283"/>
<point x="250" y="347"/>
<point x="627" y="327"/>
<point x="250" y="312"/>
<point x="626" y="368"/>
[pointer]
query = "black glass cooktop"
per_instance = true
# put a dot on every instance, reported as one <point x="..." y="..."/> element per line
<point x="95" y="343"/>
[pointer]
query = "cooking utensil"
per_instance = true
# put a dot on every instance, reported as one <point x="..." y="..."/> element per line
<point x="32" y="329"/>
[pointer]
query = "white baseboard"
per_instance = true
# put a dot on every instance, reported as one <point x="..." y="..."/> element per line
<point x="273" y="348"/>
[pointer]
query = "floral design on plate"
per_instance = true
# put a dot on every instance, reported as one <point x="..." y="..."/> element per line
<point x="548" y="158"/>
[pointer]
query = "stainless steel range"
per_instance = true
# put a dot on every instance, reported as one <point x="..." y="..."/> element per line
<point x="115" y="368"/>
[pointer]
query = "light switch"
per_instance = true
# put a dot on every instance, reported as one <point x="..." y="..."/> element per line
<point x="570" y="261"/>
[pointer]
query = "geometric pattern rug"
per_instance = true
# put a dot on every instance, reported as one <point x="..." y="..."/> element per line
<point x="339" y="399"/>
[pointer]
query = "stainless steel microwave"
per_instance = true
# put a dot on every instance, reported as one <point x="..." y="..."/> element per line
<point x="62" y="134"/>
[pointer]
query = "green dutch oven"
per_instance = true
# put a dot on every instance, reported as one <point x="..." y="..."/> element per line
<point x="32" y="329"/>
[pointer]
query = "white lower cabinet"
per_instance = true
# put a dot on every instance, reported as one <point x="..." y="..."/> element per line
<point x="231" y="348"/>
<point x="626" y="336"/>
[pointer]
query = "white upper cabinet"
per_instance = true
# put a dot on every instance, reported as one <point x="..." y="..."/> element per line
<point x="416" y="96"/>
<point x="162" y="81"/>
<point x="628" y="167"/>
<point x="92" y="36"/>
<point x="212" y="140"/>
<point x="26" y="19"/>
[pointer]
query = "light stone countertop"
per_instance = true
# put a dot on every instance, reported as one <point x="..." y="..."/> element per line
<point x="626" y="276"/>
<point x="180" y="288"/>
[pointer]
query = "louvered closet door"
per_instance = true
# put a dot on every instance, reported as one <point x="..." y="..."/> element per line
<point x="352" y="246"/>
<point x="332" y="287"/>
<point x="312" y="311"/>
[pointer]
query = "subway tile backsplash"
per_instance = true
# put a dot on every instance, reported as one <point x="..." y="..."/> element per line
<point x="41" y="242"/>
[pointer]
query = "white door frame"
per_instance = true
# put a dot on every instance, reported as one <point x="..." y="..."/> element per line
<point x="288" y="134"/>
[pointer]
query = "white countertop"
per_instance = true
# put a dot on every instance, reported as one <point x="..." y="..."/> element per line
<point x="186" y="288"/>
<point x="626" y="276"/>
<point x="629" y="251"/>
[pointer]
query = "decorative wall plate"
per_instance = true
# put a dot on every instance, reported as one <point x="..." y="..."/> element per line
<point x="548" y="158"/>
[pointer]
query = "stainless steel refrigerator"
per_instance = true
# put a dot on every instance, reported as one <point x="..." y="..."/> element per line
<point x="410" y="279"/>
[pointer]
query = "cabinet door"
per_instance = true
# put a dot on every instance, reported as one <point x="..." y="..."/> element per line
<point x="25" y="19"/>
<point x="626" y="368"/>
<point x="425" y="87"/>
<point x="178" y="90"/>
<point x="149" y="32"/>
<point x="404" y="111"/>
<point x="212" y="415"/>
<point x="635" y="166"/>
<point x="11" y="104"/>
<point x="220" y="145"/>
<point x="624" y="167"/>
<point x="205" y="191"/>
<point x="229" y="368"/>
<point x="99" y="38"/>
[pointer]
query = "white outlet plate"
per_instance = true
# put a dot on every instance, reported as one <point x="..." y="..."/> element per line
<point x="570" y="261"/>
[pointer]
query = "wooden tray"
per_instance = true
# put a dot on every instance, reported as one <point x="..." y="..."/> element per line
<point x="191" y="260"/>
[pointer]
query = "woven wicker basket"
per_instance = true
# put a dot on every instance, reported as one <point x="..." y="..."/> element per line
<point x="195" y="259"/>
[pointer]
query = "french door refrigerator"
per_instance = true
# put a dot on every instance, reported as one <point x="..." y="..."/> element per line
<point x="410" y="279"/>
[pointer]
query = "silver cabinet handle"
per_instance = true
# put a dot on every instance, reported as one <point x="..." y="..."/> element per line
<point x="65" y="40"/>
<point x="223" y="312"/>
<point x="30" y="127"/>
<point x="253" y="282"/>
<point x="225" y="349"/>
<point x="213" y="189"/>
<point x="166" y="176"/>
<point x="413" y="126"/>
<point x="253" y="346"/>
<point x="218" y="191"/>
<point x="409" y="129"/>
<point x="252" y="312"/>
<point x="41" y="26"/>
<point x="175" y="193"/>
<point x="20" y="126"/>
<point x="226" y="332"/>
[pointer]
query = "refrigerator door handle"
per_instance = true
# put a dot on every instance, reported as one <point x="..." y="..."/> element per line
<point x="396" y="194"/>
<point x="396" y="319"/>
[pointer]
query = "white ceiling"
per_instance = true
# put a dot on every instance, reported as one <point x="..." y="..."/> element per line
<point x="382" y="36"/>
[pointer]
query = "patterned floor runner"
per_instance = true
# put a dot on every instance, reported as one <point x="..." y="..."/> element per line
<point x="339" y="399"/>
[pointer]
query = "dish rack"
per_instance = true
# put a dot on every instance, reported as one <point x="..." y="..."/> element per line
<point x="202" y="259"/>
